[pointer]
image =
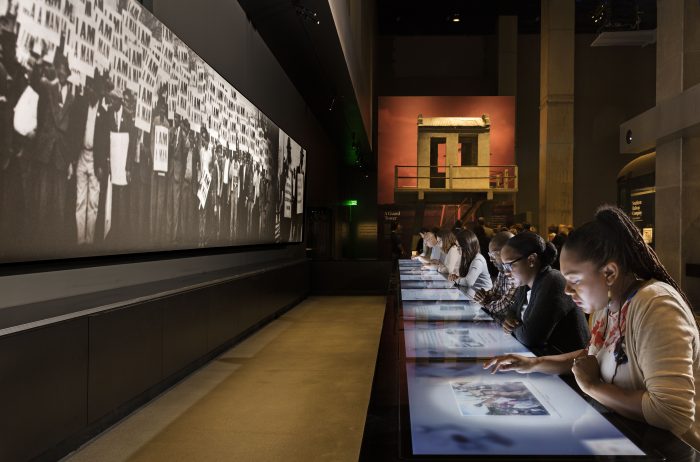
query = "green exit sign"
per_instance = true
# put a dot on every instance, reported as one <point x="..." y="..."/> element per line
<point x="349" y="202"/>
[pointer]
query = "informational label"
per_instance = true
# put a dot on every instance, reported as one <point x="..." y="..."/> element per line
<point x="118" y="150"/>
<point x="637" y="210"/>
<point x="391" y="215"/>
<point x="648" y="235"/>
<point x="160" y="152"/>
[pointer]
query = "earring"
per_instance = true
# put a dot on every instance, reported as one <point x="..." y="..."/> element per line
<point x="609" y="299"/>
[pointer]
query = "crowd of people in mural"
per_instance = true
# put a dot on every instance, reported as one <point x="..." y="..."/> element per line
<point x="116" y="137"/>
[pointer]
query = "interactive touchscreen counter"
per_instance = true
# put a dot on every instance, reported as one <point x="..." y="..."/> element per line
<point x="456" y="408"/>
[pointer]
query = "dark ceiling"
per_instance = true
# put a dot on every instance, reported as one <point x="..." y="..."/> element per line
<point x="312" y="57"/>
<point x="479" y="17"/>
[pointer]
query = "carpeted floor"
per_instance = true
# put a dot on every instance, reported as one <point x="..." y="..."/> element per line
<point x="296" y="390"/>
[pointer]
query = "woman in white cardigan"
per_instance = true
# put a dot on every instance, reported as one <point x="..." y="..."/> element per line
<point x="473" y="271"/>
<point x="643" y="360"/>
<point x="452" y="252"/>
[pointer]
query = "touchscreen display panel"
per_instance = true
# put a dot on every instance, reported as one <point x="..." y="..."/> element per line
<point x="462" y="409"/>
<point x="444" y="311"/>
<point x="427" y="284"/>
<point x="419" y="270"/>
<point x="432" y="294"/>
<point x="409" y="263"/>
<point x="425" y="276"/>
<point x="459" y="340"/>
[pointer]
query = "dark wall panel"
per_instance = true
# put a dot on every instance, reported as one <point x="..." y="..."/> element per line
<point x="125" y="355"/>
<point x="43" y="386"/>
<point x="350" y="277"/>
<point x="61" y="384"/>
<point x="184" y="329"/>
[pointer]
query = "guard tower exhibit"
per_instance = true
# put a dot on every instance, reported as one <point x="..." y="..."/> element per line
<point x="453" y="177"/>
<point x="453" y="158"/>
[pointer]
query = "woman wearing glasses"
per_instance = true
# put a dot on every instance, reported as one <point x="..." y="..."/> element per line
<point x="643" y="359"/>
<point x="541" y="314"/>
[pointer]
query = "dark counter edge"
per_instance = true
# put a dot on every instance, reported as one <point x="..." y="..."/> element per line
<point x="66" y="380"/>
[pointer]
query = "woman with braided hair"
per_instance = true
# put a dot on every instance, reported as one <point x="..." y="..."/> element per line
<point x="643" y="359"/>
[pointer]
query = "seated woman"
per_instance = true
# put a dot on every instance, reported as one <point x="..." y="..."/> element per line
<point x="643" y="359"/>
<point x="541" y="313"/>
<point x="433" y="255"/>
<point x="498" y="300"/>
<point x="452" y="252"/>
<point x="473" y="269"/>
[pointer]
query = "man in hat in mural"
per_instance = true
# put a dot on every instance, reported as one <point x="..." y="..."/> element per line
<point x="205" y="160"/>
<point x="90" y="165"/>
<point x="120" y="143"/>
<point x="159" y="181"/>
<point x="16" y="183"/>
<point x="189" y="187"/>
<point x="52" y="159"/>
<point x="297" y="212"/>
<point x="234" y="186"/>
<point x="284" y="194"/>
<point x="178" y="149"/>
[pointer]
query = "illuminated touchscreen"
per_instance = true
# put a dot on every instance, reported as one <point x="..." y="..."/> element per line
<point x="427" y="284"/>
<point x="444" y="311"/>
<point x="419" y="270"/>
<point x="432" y="294"/>
<point x="461" y="409"/>
<point x="459" y="340"/>
<point x="409" y="263"/>
<point x="421" y="277"/>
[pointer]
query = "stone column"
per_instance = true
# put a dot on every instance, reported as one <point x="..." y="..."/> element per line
<point x="556" y="113"/>
<point x="507" y="55"/>
<point x="678" y="159"/>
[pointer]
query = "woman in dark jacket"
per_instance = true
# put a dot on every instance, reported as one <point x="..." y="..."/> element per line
<point x="541" y="314"/>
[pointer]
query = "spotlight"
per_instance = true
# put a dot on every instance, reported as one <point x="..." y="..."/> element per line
<point x="454" y="17"/>
<point x="307" y="14"/>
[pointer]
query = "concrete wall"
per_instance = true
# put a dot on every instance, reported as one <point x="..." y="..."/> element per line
<point x="613" y="84"/>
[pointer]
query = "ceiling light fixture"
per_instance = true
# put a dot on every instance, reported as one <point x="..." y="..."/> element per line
<point x="454" y="17"/>
<point x="307" y="14"/>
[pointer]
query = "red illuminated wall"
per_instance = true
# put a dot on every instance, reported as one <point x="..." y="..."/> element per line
<point x="398" y="130"/>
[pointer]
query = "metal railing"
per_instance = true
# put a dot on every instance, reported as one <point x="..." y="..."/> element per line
<point x="496" y="178"/>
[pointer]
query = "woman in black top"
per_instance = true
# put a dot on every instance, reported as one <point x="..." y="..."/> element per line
<point x="541" y="314"/>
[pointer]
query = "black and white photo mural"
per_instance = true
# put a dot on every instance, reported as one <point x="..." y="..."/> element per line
<point x="116" y="138"/>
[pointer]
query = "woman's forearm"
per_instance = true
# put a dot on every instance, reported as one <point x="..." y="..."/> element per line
<point x="556" y="364"/>
<point x="625" y="402"/>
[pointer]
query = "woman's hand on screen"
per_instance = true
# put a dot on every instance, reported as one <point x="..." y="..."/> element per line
<point x="511" y="362"/>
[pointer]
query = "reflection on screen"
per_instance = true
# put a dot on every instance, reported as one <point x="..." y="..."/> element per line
<point x="432" y="294"/>
<point x="428" y="285"/>
<point x="421" y="277"/>
<point x="459" y="340"/>
<point x="461" y="409"/>
<point x="444" y="311"/>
